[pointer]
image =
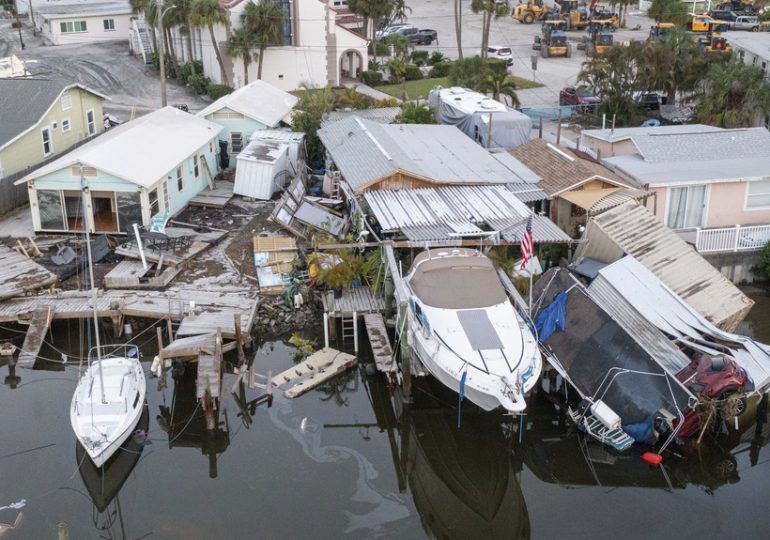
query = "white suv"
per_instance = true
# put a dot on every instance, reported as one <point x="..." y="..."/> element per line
<point x="501" y="53"/>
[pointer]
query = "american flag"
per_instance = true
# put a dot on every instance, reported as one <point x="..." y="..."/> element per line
<point x="527" y="244"/>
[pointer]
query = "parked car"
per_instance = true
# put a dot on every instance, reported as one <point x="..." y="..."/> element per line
<point x="745" y="22"/>
<point x="381" y="34"/>
<point x="501" y="53"/>
<point x="582" y="97"/>
<point x="723" y="15"/>
<point x="416" y="35"/>
<point x="650" y="101"/>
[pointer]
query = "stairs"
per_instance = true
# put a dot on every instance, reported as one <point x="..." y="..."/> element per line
<point x="142" y="35"/>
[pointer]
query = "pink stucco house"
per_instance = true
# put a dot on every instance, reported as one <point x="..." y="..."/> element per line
<point x="710" y="184"/>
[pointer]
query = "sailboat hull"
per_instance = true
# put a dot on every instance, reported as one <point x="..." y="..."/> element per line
<point x="102" y="424"/>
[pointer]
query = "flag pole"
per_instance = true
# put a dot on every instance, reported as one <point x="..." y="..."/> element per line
<point x="530" y="292"/>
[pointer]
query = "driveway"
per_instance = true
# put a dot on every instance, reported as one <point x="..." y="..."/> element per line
<point x="132" y="86"/>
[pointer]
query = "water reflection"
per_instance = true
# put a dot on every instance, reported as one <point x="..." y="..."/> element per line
<point x="104" y="483"/>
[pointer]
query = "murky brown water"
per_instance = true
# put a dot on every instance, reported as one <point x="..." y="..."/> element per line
<point x="341" y="463"/>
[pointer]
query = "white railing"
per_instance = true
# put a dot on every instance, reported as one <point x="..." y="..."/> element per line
<point x="738" y="238"/>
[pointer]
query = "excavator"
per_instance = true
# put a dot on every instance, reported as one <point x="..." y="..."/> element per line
<point x="599" y="38"/>
<point x="533" y="10"/>
<point x="714" y="44"/>
<point x="553" y="40"/>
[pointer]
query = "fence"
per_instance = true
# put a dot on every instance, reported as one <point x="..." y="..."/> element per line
<point x="736" y="238"/>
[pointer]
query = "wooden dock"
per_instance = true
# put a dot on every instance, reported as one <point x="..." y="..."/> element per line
<point x="358" y="300"/>
<point x="33" y="341"/>
<point x="20" y="275"/>
<point x="199" y="242"/>
<point x="207" y="310"/>
<point x="218" y="197"/>
<point x="133" y="274"/>
<point x="378" y="339"/>
<point x="318" y="368"/>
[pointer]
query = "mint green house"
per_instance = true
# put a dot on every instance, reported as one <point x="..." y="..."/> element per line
<point x="151" y="166"/>
<point x="40" y="119"/>
<point x="253" y="107"/>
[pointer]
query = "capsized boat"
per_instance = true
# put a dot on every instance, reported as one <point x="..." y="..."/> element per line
<point x="108" y="400"/>
<point x="466" y="332"/>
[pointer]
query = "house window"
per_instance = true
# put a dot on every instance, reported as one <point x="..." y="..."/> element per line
<point x="236" y="141"/>
<point x="179" y="180"/>
<point x="758" y="194"/>
<point x="109" y="24"/>
<point x="196" y="167"/>
<point x="91" y="122"/>
<point x="166" y="196"/>
<point x="66" y="101"/>
<point x="47" y="142"/>
<point x="65" y="125"/>
<point x="287" y="36"/>
<point x="70" y="27"/>
<point x="686" y="207"/>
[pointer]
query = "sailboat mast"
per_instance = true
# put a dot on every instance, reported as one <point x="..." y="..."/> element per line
<point x="87" y="227"/>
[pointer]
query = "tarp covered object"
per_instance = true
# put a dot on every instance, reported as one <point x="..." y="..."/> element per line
<point x="553" y="317"/>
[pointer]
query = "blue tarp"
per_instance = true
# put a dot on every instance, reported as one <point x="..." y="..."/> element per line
<point x="641" y="432"/>
<point x="553" y="317"/>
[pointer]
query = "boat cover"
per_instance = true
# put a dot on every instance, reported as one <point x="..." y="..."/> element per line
<point x="602" y="359"/>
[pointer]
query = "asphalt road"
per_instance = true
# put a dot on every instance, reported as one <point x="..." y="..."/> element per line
<point x="133" y="87"/>
<point x="554" y="73"/>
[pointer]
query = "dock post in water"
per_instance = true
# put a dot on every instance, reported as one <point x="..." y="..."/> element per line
<point x="326" y="329"/>
<point x="355" y="332"/>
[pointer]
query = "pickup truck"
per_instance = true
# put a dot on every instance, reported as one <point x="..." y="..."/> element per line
<point x="735" y="21"/>
<point x="417" y="36"/>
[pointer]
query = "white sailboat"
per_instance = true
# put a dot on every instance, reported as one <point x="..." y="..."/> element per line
<point x="109" y="397"/>
<point x="465" y="331"/>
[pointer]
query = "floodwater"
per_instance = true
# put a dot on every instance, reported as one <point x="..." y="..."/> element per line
<point x="342" y="462"/>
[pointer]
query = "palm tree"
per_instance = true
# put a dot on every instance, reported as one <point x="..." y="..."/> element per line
<point x="733" y="95"/>
<point x="489" y="9"/>
<point x="241" y="45"/>
<point x="208" y="13"/>
<point x="497" y="82"/>
<point x="614" y="75"/>
<point x="264" y="21"/>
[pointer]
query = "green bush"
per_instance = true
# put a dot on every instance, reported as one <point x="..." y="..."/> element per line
<point x="381" y="49"/>
<point x="372" y="78"/>
<point x="374" y="65"/>
<point x="419" y="58"/>
<point x="762" y="270"/>
<point x="412" y="73"/>
<point x="188" y="69"/>
<point x="199" y="83"/>
<point x="216" y="91"/>
<point x="436" y="57"/>
<point x="440" y="70"/>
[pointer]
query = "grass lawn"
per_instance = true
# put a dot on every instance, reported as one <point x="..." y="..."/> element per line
<point x="419" y="89"/>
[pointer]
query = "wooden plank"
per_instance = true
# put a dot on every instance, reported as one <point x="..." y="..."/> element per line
<point x="19" y="275"/>
<point x="33" y="341"/>
<point x="216" y="197"/>
<point x="208" y="376"/>
<point x="317" y="369"/>
<point x="378" y="339"/>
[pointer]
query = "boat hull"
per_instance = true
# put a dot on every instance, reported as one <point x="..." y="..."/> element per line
<point x="102" y="428"/>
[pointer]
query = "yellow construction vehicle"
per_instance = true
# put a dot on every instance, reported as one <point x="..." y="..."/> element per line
<point x="575" y="16"/>
<point x="552" y="40"/>
<point x="700" y="23"/>
<point x="599" y="38"/>
<point x="714" y="44"/>
<point x="661" y="30"/>
<point x="533" y="10"/>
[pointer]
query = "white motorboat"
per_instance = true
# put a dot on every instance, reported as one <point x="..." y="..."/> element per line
<point x="108" y="400"/>
<point x="463" y="326"/>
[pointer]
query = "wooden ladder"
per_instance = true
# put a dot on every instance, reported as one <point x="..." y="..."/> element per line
<point x="348" y="328"/>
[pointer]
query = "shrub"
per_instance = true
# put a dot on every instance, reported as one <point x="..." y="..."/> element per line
<point x="440" y="69"/>
<point x="374" y="65"/>
<point x="436" y="57"/>
<point x="216" y="91"/>
<point x="412" y="113"/>
<point x="188" y="69"/>
<point x="412" y="73"/>
<point x="381" y="49"/>
<point x="419" y="58"/>
<point x="199" y="83"/>
<point x="372" y="78"/>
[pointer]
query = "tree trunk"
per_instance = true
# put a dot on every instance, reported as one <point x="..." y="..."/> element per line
<point x="219" y="55"/>
<point x="172" y="51"/>
<point x="459" y="27"/>
<point x="259" y="61"/>
<point x="190" y="45"/>
<point x="486" y="18"/>
<point x="246" y="71"/>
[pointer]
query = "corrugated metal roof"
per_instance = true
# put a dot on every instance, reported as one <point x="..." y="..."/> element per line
<point x="638" y="233"/>
<point x="517" y="167"/>
<point x="259" y="100"/>
<point x="277" y="135"/>
<point x="617" y="198"/>
<point x="381" y="115"/>
<point x="691" y="171"/>
<point x="365" y="151"/>
<point x="619" y="134"/>
<point x="451" y="212"/>
<point x="526" y="192"/>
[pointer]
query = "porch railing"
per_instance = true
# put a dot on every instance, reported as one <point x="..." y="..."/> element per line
<point x="738" y="238"/>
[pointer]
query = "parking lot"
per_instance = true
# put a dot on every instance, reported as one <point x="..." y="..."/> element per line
<point x="554" y="73"/>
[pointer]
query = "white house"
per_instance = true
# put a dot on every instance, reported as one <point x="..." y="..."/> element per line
<point x="83" y="22"/>
<point x="317" y="49"/>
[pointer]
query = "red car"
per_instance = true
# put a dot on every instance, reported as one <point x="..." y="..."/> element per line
<point x="581" y="97"/>
<point x="716" y="377"/>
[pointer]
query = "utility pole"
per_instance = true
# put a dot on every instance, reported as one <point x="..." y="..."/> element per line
<point x="18" y="25"/>
<point x="162" y="57"/>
